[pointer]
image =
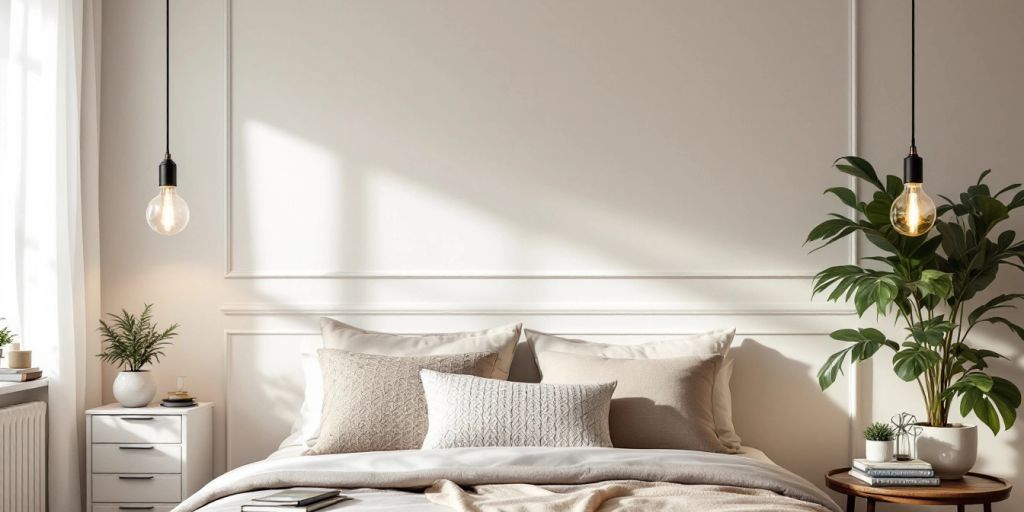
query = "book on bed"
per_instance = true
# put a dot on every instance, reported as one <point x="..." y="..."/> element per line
<point x="270" y="507"/>
<point x="295" y="500"/>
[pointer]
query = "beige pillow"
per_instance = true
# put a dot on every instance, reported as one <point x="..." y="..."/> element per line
<point x="376" y="403"/>
<point x="658" y="403"/>
<point x="708" y="343"/>
<point x="466" y="411"/>
<point x="334" y="334"/>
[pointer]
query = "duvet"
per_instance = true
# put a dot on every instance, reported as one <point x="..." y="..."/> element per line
<point x="525" y="479"/>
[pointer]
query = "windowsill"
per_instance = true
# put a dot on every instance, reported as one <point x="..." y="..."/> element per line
<point x="15" y="387"/>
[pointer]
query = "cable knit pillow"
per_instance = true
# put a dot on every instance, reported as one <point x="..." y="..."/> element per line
<point x="466" y="411"/>
<point x="375" y="403"/>
<point x="658" y="403"/>
<point x="334" y="334"/>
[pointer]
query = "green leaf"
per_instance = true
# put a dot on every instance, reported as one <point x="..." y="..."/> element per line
<point x="860" y="168"/>
<point x="893" y="186"/>
<point x="1018" y="330"/>
<point x="987" y="414"/>
<point x="881" y="241"/>
<point x="914" y="360"/>
<point x="830" y="371"/>
<point x="847" y="196"/>
<point x="983" y="174"/>
<point x="1007" y="189"/>
<point x="935" y="282"/>
<point x="931" y="332"/>
<point x="998" y="302"/>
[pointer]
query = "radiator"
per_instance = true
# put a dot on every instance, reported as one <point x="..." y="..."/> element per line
<point x="23" y="458"/>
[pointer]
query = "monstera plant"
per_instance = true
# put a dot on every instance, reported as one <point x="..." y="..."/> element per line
<point x="931" y="285"/>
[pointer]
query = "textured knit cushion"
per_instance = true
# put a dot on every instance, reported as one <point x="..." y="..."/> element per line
<point x="658" y="403"/>
<point x="376" y="403"/>
<point x="334" y="334"/>
<point x="708" y="343"/>
<point x="467" y="411"/>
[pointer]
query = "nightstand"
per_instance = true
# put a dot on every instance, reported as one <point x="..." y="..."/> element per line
<point x="146" y="458"/>
<point x="974" y="489"/>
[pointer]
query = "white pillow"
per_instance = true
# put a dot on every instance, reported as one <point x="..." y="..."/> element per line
<point x="715" y="342"/>
<point x="334" y="334"/>
<point x="467" y="411"/>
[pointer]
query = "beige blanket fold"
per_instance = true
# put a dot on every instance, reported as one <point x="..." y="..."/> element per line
<point x="621" y="495"/>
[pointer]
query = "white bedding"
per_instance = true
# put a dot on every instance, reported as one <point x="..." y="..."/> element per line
<point x="470" y="464"/>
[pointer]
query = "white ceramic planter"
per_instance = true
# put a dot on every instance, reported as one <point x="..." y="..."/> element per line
<point x="134" y="389"/>
<point x="952" y="451"/>
<point x="879" y="451"/>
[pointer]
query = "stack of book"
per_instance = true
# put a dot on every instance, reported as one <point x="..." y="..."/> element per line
<point x="901" y="473"/>
<point x="19" y="374"/>
<point x="295" y="500"/>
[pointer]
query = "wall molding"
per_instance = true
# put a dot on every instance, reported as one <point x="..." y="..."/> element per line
<point x="453" y="309"/>
<point x="231" y="273"/>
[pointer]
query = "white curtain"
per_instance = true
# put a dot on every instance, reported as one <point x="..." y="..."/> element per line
<point x="48" y="224"/>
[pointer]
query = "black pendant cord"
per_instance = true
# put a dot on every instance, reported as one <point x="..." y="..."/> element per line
<point x="168" y="169"/>
<point x="913" y="165"/>
<point x="167" y="78"/>
<point x="913" y="74"/>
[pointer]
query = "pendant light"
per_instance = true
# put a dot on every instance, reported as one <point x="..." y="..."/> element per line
<point x="167" y="213"/>
<point x="913" y="212"/>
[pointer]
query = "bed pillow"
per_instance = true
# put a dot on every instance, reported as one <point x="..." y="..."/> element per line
<point x="707" y="343"/>
<point x="376" y="403"/>
<point x="658" y="403"/>
<point x="465" y="411"/>
<point x="334" y="334"/>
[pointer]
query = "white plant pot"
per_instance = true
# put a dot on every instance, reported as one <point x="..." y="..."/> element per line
<point x="134" y="389"/>
<point x="879" y="451"/>
<point x="952" y="451"/>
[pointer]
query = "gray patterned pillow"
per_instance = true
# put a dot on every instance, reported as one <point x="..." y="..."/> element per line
<point x="466" y="411"/>
<point x="376" y="403"/>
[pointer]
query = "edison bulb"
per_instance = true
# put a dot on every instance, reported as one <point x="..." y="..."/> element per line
<point x="913" y="212"/>
<point x="167" y="213"/>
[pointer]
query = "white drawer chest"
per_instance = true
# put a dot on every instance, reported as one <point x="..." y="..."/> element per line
<point x="146" y="459"/>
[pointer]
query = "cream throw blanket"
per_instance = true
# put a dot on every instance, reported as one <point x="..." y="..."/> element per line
<point x="619" y="495"/>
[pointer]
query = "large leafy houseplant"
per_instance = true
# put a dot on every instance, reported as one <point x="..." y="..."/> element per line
<point x="930" y="284"/>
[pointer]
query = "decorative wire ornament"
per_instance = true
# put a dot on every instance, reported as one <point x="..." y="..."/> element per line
<point x="907" y="431"/>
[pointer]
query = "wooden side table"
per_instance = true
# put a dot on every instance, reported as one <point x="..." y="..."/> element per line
<point x="974" y="489"/>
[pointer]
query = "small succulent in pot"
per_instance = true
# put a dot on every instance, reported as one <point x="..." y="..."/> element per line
<point x="132" y="342"/>
<point x="879" y="442"/>
<point x="6" y="337"/>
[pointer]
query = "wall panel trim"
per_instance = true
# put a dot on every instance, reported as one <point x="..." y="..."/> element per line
<point x="252" y="309"/>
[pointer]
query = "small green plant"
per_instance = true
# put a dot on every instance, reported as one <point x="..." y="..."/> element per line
<point x="879" y="432"/>
<point x="6" y="336"/>
<point x="132" y="342"/>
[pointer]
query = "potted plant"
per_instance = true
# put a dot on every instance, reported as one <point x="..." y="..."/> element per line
<point x="930" y="284"/>
<point x="6" y="337"/>
<point x="132" y="342"/>
<point x="879" y="442"/>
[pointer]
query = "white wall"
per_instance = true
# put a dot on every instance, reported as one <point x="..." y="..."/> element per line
<point x="591" y="168"/>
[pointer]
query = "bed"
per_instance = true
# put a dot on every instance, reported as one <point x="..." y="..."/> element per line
<point x="485" y="465"/>
<point x="396" y="480"/>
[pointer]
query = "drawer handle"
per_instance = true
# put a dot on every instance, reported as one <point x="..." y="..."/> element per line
<point x="138" y="507"/>
<point x="136" y="447"/>
<point x="136" y="418"/>
<point x="150" y="477"/>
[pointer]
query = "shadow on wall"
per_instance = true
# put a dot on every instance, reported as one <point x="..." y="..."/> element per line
<point x="776" y="407"/>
